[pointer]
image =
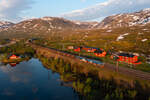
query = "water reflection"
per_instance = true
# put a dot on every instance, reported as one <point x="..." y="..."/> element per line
<point x="13" y="64"/>
<point x="90" y="86"/>
<point x="39" y="80"/>
<point x="31" y="81"/>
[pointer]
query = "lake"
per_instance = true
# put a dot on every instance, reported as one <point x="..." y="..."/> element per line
<point x="55" y="79"/>
<point x="29" y="80"/>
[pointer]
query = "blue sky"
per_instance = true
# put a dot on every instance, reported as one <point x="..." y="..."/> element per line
<point x="58" y="7"/>
<point x="82" y="10"/>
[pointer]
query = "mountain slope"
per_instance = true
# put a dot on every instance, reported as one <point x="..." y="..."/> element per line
<point x="46" y="25"/>
<point x="126" y="20"/>
<point x="50" y="26"/>
<point x="124" y="37"/>
<point x="5" y="24"/>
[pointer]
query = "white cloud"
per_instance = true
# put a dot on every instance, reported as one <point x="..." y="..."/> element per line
<point x="107" y="8"/>
<point x="12" y="9"/>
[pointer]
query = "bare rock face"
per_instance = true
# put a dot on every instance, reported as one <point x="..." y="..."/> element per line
<point x="86" y="25"/>
<point x="126" y="20"/>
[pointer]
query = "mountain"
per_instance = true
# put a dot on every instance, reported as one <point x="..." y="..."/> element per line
<point x="47" y="25"/>
<point x="60" y="26"/>
<point x="126" y="20"/>
<point x="5" y="24"/>
<point x="124" y="32"/>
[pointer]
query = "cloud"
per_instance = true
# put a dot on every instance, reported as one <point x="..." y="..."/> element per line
<point x="19" y="74"/>
<point x="107" y="8"/>
<point x="12" y="9"/>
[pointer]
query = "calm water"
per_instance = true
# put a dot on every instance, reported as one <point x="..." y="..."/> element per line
<point x="31" y="81"/>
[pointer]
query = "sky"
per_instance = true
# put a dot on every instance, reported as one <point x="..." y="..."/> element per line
<point x="82" y="10"/>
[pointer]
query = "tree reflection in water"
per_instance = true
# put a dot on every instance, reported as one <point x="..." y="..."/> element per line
<point x="90" y="87"/>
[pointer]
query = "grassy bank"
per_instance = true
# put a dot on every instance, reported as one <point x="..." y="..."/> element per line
<point x="18" y="48"/>
<point x="14" y="60"/>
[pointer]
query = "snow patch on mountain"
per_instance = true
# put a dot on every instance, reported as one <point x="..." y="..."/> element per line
<point x="126" y="20"/>
<point x="122" y="36"/>
<point x="140" y="33"/>
<point x="146" y="10"/>
<point x="47" y="18"/>
<point x="109" y="31"/>
<point x="144" y="40"/>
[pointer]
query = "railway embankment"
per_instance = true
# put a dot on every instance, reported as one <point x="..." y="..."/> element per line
<point x="106" y="69"/>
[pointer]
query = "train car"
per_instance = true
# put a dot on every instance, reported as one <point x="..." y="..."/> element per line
<point x="100" y="53"/>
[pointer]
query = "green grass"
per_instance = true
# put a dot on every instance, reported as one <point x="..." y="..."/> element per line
<point x="143" y="67"/>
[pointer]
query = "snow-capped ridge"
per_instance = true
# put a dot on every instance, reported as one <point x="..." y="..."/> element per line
<point x="47" y="18"/>
<point x="146" y="9"/>
<point x="126" y="20"/>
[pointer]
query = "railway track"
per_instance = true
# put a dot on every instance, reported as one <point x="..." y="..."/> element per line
<point x="130" y="72"/>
